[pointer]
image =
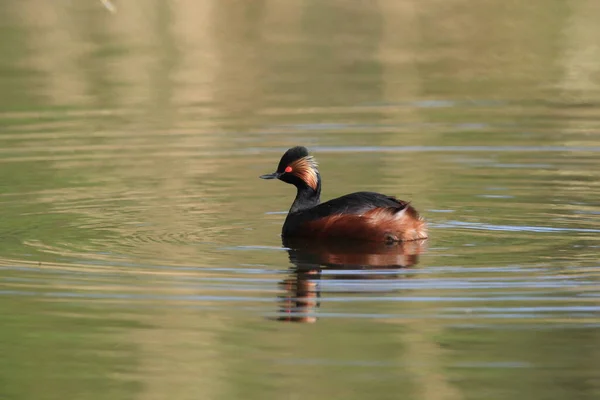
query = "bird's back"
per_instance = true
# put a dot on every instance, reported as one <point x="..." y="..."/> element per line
<point x="361" y="215"/>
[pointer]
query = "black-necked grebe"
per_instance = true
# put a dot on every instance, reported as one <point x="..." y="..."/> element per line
<point x="362" y="215"/>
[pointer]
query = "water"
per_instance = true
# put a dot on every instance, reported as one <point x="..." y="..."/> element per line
<point x="140" y="253"/>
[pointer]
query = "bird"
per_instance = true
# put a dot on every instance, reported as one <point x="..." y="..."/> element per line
<point x="359" y="216"/>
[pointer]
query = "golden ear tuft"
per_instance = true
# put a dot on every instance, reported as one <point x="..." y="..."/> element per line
<point x="305" y="168"/>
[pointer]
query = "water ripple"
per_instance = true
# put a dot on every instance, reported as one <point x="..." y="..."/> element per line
<point x="510" y="228"/>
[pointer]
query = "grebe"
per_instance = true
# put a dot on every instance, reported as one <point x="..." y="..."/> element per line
<point x="366" y="216"/>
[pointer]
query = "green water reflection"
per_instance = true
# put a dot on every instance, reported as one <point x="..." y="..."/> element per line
<point x="140" y="254"/>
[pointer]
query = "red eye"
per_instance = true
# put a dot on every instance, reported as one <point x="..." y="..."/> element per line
<point x="288" y="169"/>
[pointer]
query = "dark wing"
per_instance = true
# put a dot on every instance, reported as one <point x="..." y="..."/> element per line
<point x="356" y="203"/>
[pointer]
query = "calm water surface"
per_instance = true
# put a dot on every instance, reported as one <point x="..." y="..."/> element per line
<point x="140" y="255"/>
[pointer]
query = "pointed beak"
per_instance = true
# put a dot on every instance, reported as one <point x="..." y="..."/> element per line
<point x="274" y="175"/>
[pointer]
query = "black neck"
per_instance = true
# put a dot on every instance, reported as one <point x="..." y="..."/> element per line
<point x="306" y="197"/>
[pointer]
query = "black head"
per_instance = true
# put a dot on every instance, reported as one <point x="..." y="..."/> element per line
<point x="298" y="168"/>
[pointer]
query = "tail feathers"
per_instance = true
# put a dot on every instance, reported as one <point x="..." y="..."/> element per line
<point x="398" y="224"/>
<point x="410" y="225"/>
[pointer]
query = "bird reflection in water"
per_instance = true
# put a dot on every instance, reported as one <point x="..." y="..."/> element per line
<point x="360" y="261"/>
